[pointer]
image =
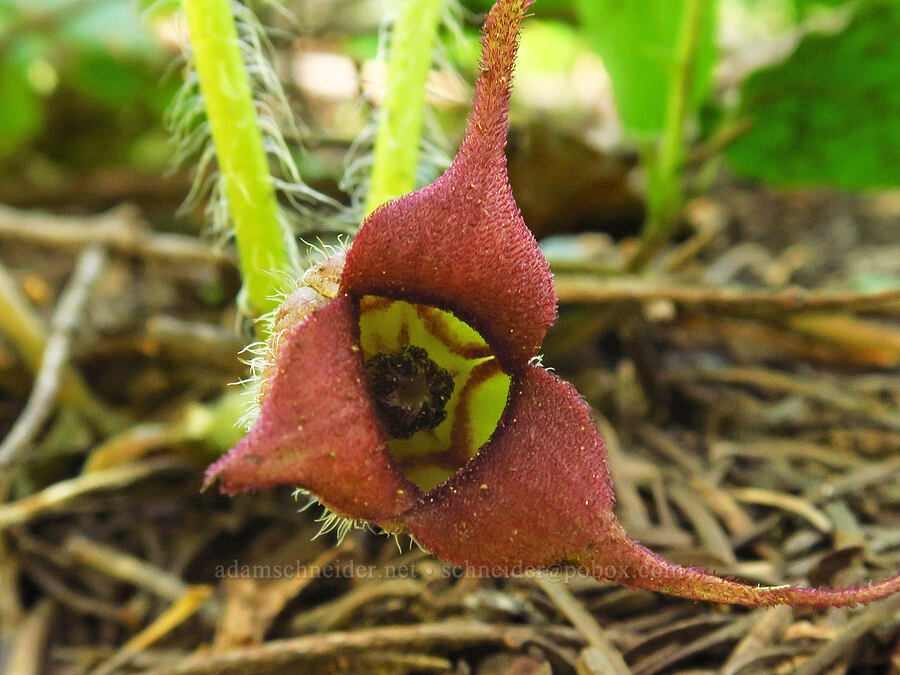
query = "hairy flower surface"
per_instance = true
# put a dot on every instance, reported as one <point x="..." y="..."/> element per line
<point x="403" y="392"/>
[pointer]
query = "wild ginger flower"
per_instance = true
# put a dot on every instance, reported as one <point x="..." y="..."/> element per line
<point x="403" y="390"/>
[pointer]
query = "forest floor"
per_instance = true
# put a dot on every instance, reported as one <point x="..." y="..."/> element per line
<point x="746" y="384"/>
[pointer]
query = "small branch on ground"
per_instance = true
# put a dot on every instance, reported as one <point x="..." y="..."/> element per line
<point x="586" y="289"/>
<point x="872" y="617"/>
<point x="585" y="624"/>
<point x="56" y="354"/>
<point x="120" y="229"/>
<point x="135" y="571"/>
<point x="21" y="325"/>
<point x="447" y="635"/>
<point x="179" y="612"/>
<point x="62" y="492"/>
<point x="30" y="650"/>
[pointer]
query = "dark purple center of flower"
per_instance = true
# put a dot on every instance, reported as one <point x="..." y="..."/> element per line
<point x="410" y="390"/>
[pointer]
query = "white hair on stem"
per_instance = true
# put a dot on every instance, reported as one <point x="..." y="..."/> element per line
<point x="301" y="208"/>
<point x="435" y="152"/>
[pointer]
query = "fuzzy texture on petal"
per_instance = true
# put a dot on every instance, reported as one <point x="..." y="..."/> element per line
<point x="293" y="311"/>
<point x="460" y="244"/>
<point x="318" y="428"/>
<point x="537" y="494"/>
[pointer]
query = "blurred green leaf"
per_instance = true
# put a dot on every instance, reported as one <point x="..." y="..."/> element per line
<point x="110" y="81"/>
<point x="21" y="111"/>
<point x="111" y="26"/>
<point x="547" y="46"/>
<point x="830" y="114"/>
<point x="799" y="8"/>
<point x="8" y="14"/>
<point x="63" y="62"/>
<point x="637" y="41"/>
<point x="362" y="47"/>
<point x="806" y="7"/>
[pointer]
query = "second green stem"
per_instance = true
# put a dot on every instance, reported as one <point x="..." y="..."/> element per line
<point x="665" y="161"/>
<point x="400" y="116"/>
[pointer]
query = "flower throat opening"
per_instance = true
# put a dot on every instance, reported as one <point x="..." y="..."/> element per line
<point x="437" y="388"/>
<point x="411" y="391"/>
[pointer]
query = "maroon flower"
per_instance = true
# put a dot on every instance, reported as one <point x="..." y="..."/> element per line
<point x="340" y="420"/>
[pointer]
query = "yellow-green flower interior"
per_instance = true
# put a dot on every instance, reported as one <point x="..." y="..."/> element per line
<point x="480" y="390"/>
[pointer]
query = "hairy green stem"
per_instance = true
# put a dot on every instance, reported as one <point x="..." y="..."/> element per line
<point x="400" y="117"/>
<point x="664" y="163"/>
<point x="262" y="243"/>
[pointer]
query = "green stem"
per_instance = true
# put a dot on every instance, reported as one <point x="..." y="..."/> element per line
<point x="400" y="117"/>
<point x="664" y="164"/>
<point x="262" y="243"/>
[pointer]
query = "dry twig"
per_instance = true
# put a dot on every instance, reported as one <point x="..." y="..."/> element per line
<point x="27" y="658"/>
<point x="447" y="635"/>
<point x="769" y="625"/>
<point x="770" y="380"/>
<point x="179" y="612"/>
<point x="584" y="623"/>
<point x="120" y="230"/>
<point x="875" y="616"/>
<point x="58" y="494"/>
<point x="24" y="329"/>
<point x="590" y="289"/>
<point x="56" y="354"/>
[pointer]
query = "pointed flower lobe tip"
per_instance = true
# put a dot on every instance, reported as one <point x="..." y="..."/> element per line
<point x="460" y="244"/>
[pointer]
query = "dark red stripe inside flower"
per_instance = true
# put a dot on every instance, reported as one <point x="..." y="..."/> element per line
<point x="402" y="389"/>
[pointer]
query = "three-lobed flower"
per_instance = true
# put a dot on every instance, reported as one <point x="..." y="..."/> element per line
<point x="403" y="389"/>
